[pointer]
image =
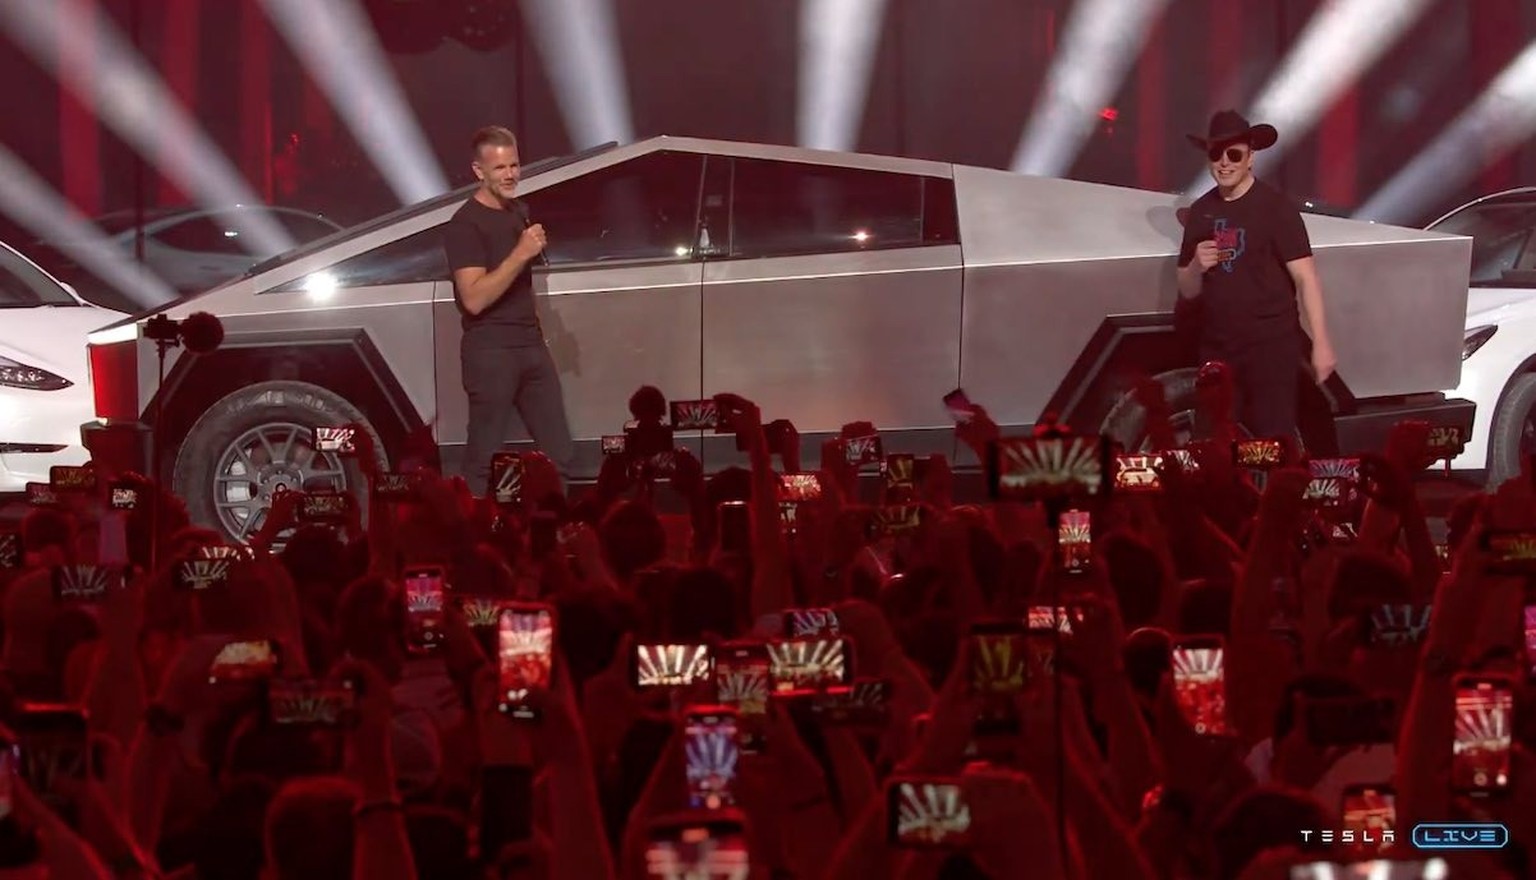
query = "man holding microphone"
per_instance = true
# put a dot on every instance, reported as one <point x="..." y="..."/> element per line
<point x="491" y="245"/>
<point x="1246" y="257"/>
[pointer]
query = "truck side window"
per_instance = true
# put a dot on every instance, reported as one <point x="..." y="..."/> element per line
<point x="643" y="209"/>
<point x="412" y="259"/>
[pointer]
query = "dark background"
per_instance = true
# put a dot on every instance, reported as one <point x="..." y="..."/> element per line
<point x="953" y="80"/>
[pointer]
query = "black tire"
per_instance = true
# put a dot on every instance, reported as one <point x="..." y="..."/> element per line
<point x="210" y="471"/>
<point x="1513" y="430"/>
<point x="1127" y="420"/>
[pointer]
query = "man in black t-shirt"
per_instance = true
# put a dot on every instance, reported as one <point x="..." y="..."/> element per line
<point x="1246" y="256"/>
<point x="491" y="245"/>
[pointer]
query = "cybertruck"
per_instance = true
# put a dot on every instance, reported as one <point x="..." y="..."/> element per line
<point x="825" y="286"/>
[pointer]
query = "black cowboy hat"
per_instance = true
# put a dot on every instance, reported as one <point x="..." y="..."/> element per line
<point x="1229" y="127"/>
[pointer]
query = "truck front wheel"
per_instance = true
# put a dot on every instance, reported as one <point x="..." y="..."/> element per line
<point x="1513" y="436"/>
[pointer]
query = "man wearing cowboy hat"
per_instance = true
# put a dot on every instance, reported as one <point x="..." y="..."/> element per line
<point x="1246" y="257"/>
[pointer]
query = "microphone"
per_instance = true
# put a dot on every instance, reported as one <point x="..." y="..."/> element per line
<point x="527" y="222"/>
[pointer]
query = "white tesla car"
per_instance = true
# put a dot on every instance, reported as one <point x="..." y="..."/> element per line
<point x="45" y="389"/>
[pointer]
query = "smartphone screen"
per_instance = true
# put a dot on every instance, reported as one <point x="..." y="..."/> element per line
<point x="124" y="497"/>
<point x="694" y="415"/>
<point x="865" y="703"/>
<point x="807" y="622"/>
<point x="1445" y="441"/>
<point x="507" y="478"/>
<point x="802" y="665"/>
<point x="202" y="574"/>
<point x="399" y="488"/>
<point x="41" y="495"/>
<point x="1513" y="553"/>
<point x="244" y="661"/>
<point x="72" y="478"/>
<point x="710" y="845"/>
<point x="1044" y="618"/>
<point x="863" y="451"/>
<point x="1199" y="682"/>
<point x="1045" y="468"/>
<point x="52" y="753"/>
<point x="1370" y="812"/>
<point x="424" y="607"/>
<point x="1333" y="481"/>
<point x="1480" y="751"/>
<point x="799" y="487"/>
<point x="87" y="584"/>
<point x="899" y="471"/>
<point x="1261" y="454"/>
<point x="480" y="612"/>
<point x="1000" y="658"/>
<point x="1374" y="869"/>
<point x="1398" y="626"/>
<point x="710" y="755"/>
<point x="10" y="550"/>
<point x="891" y="520"/>
<point x="1530" y="640"/>
<point x="1137" y="472"/>
<point x="613" y="444"/>
<point x="744" y="681"/>
<point x="930" y="812"/>
<point x="312" y="703"/>
<point x="670" y="665"/>
<point x="525" y="643"/>
<point x="340" y="441"/>
<point x="1074" y="540"/>
<point x="959" y="405"/>
<point x="324" y="506"/>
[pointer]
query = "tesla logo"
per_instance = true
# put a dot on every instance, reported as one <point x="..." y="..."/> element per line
<point x="1230" y="243"/>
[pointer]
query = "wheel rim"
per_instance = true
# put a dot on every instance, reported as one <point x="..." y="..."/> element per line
<point x="1183" y="425"/>
<point x="266" y="459"/>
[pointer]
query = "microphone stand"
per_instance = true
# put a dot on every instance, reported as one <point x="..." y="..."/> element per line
<point x="167" y="335"/>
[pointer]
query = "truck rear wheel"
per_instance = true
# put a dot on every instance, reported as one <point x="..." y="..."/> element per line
<point x="1513" y="435"/>
<point x="257" y="441"/>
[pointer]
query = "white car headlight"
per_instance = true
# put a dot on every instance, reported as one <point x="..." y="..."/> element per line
<point x="1475" y="339"/>
<point x="14" y="374"/>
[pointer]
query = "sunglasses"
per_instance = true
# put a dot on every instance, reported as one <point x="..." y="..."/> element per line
<point x="1233" y="154"/>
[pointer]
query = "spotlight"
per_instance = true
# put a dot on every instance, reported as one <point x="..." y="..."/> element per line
<point x="580" y="46"/>
<point x="837" y="55"/>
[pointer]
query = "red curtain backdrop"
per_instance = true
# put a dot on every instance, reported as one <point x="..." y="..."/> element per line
<point x="79" y="132"/>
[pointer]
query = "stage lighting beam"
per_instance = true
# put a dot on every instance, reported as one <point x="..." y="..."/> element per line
<point x="338" y="47"/>
<point x="838" y="39"/>
<point x="579" y="43"/>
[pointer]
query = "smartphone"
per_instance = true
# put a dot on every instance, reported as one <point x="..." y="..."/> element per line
<point x="1397" y="626"/>
<point x="695" y="415"/>
<point x="244" y="661"/>
<point x="41" y="495"/>
<point x="202" y="574"/>
<point x="789" y="516"/>
<point x="899" y="470"/>
<point x="1511" y="552"/>
<point x="807" y="665"/>
<point x="865" y="703"/>
<point x="1530" y="641"/>
<point x="124" y="496"/>
<point x="1048" y="468"/>
<point x="1044" y="618"/>
<point x="1445" y="441"/>
<point x="808" y="622"/>
<point x="891" y="520"/>
<point x="613" y="444"/>
<point x="1369" y="814"/>
<point x="1137" y="472"/>
<point x="9" y="767"/>
<point x="72" y="478"/>
<point x="799" y="487"/>
<point x="312" y="703"/>
<point x="525" y="644"/>
<point x="326" y="506"/>
<point x="1334" y="482"/>
<point x="424" y="585"/>
<point x="341" y="441"/>
<point x="1263" y="454"/>
<point x="710" y="756"/>
<point x="1074" y="540"/>
<point x="670" y="665"/>
<point x="744" y="681"/>
<point x="863" y="450"/>
<point x="709" y="844"/>
<point x="398" y="488"/>
<point x="86" y="584"/>
<point x="1349" y="721"/>
<point x="480" y="612"/>
<point x="1199" y="683"/>
<point x="959" y="406"/>
<point x="52" y="753"/>
<point x="507" y="478"/>
<point x="1373" y="869"/>
<point x="11" y="556"/>
<point x="1484" y="718"/>
<point x="928" y="811"/>
<point x="734" y="525"/>
<point x="1000" y="657"/>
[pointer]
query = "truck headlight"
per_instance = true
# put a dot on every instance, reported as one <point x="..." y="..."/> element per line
<point x="1475" y="339"/>
<point x="14" y="374"/>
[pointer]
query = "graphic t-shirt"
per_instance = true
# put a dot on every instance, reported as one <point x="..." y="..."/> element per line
<point x="483" y="237"/>
<point x="1248" y="297"/>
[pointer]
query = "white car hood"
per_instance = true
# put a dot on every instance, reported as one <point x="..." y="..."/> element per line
<point x="1490" y="305"/>
<point x="52" y="337"/>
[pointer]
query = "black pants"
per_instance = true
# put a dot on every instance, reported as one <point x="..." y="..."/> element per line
<point x="1268" y="377"/>
<point x="500" y="380"/>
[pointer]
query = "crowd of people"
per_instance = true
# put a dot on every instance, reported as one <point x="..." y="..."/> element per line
<point x="1227" y="681"/>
